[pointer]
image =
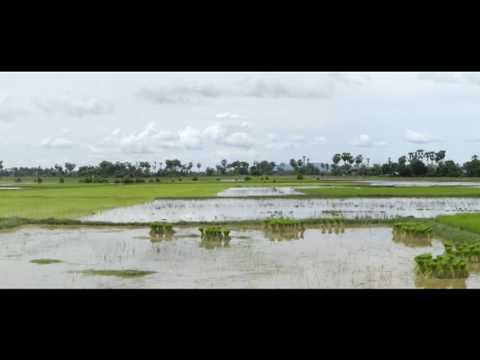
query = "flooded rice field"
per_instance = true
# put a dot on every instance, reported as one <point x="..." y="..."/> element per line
<point x="420" y="183"/>
<point x="211" y="210"/>
<point x="258" y="191"/>
<point x="88" y="257"/>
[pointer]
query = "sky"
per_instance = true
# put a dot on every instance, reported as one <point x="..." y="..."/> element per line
<point x="49" y="118"/>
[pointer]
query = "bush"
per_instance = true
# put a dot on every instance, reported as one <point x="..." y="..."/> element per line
<point x="151" y="180"/>
<point x="39" y="180"/>
<point x="247" y="178"/>
<point x="180" y="179"/>
<point x="128" y="180"/>
<point x="61" y="180"/>
<point x="299" y="177"/>
<point x="195" y="178"/>
<point x="18" y="180"/>
<point x="218" y="179"/>
<point x="157" y="180"/>
<point x="139" y="180"/>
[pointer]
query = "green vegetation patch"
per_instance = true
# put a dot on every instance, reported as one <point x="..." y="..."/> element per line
<point x="469" y="222"/>
<point x="118" y="273"/>
<point x="215" y="233"/>
<point x="413" y="228"/>
<point x="445" y="266"/>
<point x="45" y="261"/>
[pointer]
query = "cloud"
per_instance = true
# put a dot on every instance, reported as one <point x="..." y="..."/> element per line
<point x="56" y="143"/>
<point x="79" y="107"/>
<point x="440" y="77"/>
<point x="149" y="140"/>
<point x="418" y="138"/>
<point x="227" y="115"/>
<point x="349" y="78"/>
<point x="8" y="111"/>
<point x="180" y="93"/>
<point x="229" y="134"/>
<point x="364" y="140"/>
<point x="289" y="86"/>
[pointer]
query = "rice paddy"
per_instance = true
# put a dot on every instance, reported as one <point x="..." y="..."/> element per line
<point x="284" y="233"/>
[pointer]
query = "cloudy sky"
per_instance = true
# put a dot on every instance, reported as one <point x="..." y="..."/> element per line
<point x="48" y="118"/>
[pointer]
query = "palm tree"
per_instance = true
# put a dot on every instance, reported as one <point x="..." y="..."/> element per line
<point x="336" y="159"/>
<point x="358" y="160"/>
<point x="199" y="166"/>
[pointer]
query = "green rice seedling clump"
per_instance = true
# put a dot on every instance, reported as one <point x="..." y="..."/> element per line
<point x="413" y="228"/>
<point x="445" y="266"/>
<point x="215" y="233"/>
<point x="159" y="228"/>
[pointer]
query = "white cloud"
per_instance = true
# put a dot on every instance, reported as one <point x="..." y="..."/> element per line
<point x="227" y="115"/>
<point x="150" y="140"/>
<point x="288" y="86"/>
<point x="418" y="138"/>
<point x="56" y="143"/>
<point x="77" y="107"/>
<point x="190" y="138"/>
<point x="364" y="140"/>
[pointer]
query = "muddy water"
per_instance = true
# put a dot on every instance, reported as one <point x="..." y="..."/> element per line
<point x="356" y="258"/>
<point x="209" y="210"/>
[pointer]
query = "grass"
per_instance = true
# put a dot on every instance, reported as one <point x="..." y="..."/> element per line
<point x="45" y="261"/>
<point x="118" y="273"/>
<point x="469" y="222"/>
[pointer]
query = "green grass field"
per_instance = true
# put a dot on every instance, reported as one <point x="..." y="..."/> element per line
<point x="73" y="199"/>
<point x="468" y="222"/>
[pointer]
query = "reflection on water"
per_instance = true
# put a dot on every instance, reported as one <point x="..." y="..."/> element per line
<point x="212" y="210"/>
<point x="412" y="240"/>
<point x="259" y="191"/>
<point x="422" y="282"/>
<point x="286" y="234"/>
<point x="357" y="258"/>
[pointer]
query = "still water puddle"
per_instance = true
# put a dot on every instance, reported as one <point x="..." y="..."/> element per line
<point x="92" y="257"/>
<point x="259" y="191"/>
<point x="211" y="210"/>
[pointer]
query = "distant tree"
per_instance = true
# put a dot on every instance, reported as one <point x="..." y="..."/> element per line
<point x="70" y="167"/>
<point x="209" y="171"/>
<point x="358" y="160"/>
<point x="199" y="166"/>
<point x="418" y="168"/>
<point x="336" y="159"/>
<point x="439" y="156"/>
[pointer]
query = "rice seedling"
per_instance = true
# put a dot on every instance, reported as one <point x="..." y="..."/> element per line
<point x="215" y="233"/>
<point x="161" y="231"/>
<point x="468" y="252"/>
<point x="445" y="266"/>
<point x="214" y="236"/>
<point x="413" y="228"/>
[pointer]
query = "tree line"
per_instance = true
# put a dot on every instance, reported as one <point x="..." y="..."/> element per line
<point x="413" y="164"/>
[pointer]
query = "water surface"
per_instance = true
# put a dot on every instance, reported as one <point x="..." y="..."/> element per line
<point x="211" y="210"/>
<point x="356" y="258"/>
